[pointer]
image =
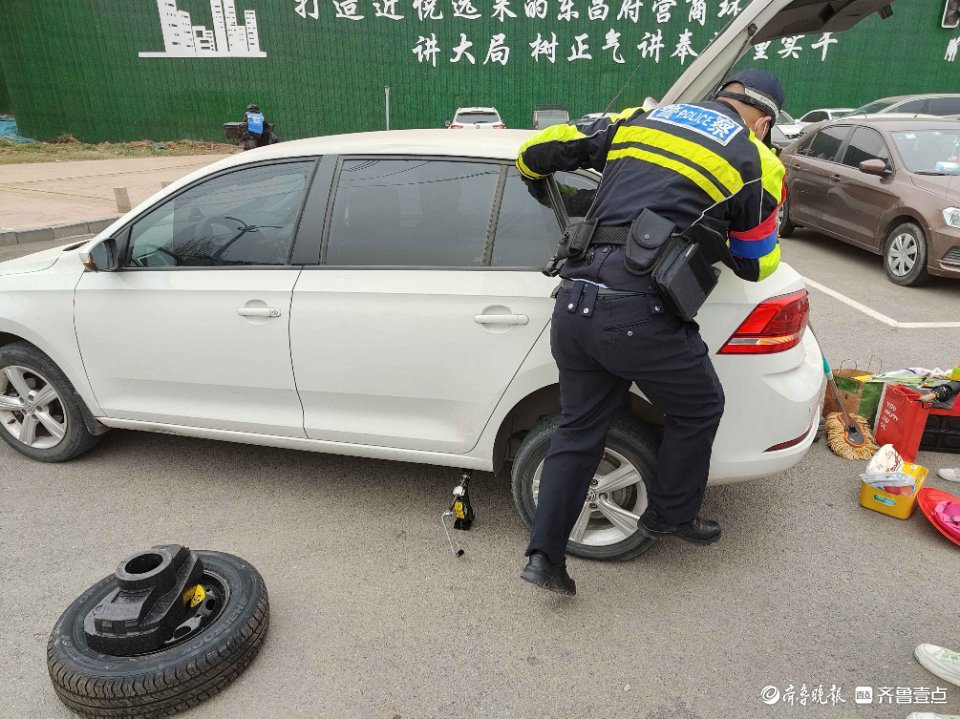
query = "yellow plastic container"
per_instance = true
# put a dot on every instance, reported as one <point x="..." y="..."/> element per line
<point x="896" y="505"/>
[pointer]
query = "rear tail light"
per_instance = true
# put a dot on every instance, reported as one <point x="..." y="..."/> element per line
<point x="456" y="127"/>
<point x="499" y="126"/>
<point x="775" y="325"/>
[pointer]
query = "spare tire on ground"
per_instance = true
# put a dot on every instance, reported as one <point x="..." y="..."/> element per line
<point x="187" y="646"/>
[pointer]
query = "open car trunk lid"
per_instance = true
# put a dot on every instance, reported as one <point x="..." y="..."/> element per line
<point x="764" y="20"/>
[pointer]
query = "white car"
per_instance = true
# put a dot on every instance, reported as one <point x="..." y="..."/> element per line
<point x="822" y="114"/>
<point x="477" y="118"/>
<point x="379" y="295"/>
<point x="788" y="126"/>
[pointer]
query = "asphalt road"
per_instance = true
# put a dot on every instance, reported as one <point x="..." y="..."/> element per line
<point x="371" y="615"/>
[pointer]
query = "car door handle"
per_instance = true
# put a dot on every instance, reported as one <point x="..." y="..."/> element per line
<point x="501" y="319"/>
<point x="835" y="178"/>
<point x="258" y="312"/>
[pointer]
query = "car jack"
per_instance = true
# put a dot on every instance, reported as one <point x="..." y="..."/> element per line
<point x="461" y="510"/>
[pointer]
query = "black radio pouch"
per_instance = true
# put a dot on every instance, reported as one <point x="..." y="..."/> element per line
<point x="685" y="276"/>
<point x="647" y="237"/>
<point x="573" y="245"/>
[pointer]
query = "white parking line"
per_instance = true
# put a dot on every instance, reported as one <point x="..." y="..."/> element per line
<point x="879" y="316"/>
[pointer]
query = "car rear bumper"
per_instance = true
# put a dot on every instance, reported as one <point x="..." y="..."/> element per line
<point x="782" y="407"/>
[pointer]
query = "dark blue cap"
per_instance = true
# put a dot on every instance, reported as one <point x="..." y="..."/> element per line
<point x="761" y="89"/>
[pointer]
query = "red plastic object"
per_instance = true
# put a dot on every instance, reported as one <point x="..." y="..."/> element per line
<point x="928" y="498"/>
<point x="901" y="420"/>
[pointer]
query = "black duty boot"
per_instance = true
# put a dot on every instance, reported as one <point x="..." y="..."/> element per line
<point x="547" y="575"/>
<point x="699" y="531"/>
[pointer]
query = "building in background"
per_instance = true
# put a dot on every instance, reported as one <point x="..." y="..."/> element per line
<point x="181" y="38"/>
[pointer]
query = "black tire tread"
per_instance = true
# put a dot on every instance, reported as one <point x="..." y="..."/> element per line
<point x="786" y="228"/>
<point x="176" y="689"/>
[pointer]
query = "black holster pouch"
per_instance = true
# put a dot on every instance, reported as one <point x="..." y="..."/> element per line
<point x="573" y="245"/>
<point x="685" y="276"/>
<point x="645" y="242"/>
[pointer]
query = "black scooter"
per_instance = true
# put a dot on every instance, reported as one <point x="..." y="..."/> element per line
<point x="248" y="140"/>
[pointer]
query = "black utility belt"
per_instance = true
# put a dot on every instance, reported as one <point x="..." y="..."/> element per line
<point x="602" y="291"/>
<point x="679" y="271"/>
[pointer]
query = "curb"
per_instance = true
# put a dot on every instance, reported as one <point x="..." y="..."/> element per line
<point x="55" y="232"/>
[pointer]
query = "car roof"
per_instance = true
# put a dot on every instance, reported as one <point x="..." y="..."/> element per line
<point x="892" y="122"/>
<point x="496" y="145"/>
<point x="902" y="122"/>
<point x="919" y="96"/>
<point x="476" y="109"/>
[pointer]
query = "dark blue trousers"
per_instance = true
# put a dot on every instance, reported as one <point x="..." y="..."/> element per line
<point x="602" y="344"/>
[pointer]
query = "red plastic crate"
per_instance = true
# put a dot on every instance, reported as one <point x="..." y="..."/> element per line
<point x="910" y="426"/>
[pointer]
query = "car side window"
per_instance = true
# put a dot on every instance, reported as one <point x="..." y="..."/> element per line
<point x="411" y="213"/>
<point x="815" y="116"/>
<point x="527" y="228"/>
<point x="866" y="144"/>
<point x="245" y="217"/>
<point x="914" y="106"/>
<point x="577" y="192"/>
<point x="825" y="144"/>
<point x="944" y="106"/>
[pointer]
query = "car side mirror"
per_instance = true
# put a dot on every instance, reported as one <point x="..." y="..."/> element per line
<point x="875" y="167"/>
<point x="447" y="123"/>
<point x="102" y="257"/>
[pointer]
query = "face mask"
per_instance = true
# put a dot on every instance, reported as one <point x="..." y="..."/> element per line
<point x="762" y="128"/>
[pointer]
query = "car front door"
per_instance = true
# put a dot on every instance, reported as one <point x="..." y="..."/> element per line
<point x="193" y="328"/>
<point x="418" y="316"/>
<point x="863" y="200"/>
<point x="812" y="171"/>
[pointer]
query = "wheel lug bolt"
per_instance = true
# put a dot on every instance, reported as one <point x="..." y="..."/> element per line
<point x="594" y="483"/>
<point x="593" y="505"/>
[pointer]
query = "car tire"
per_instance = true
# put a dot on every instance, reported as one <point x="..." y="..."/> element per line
<point x="23" y="364"/>
<point x="627" y="441"/>
<point x="166" y="681"/>
<point x="786" y="228"/>
<point x="905" y="255"/>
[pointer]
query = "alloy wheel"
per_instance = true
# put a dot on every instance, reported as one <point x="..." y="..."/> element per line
<point x="903" y="253"/>
<point x="31" y="409"/>
<point x="615" y="500"/>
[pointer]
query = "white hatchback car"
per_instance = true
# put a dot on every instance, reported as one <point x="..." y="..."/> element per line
<point x="379" y="295"/>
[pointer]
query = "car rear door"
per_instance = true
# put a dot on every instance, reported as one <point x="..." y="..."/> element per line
<point x="413" y="323"/>
<point x="813" y="172"/>
<point x="862" y="200"/>
<point x="193" y="329"/>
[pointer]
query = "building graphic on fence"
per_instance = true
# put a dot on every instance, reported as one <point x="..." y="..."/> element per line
<point x="181" y="38"/>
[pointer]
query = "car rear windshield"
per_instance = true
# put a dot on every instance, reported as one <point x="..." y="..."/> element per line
<point x="929" y="151"/>
<point x="471" y="117"/>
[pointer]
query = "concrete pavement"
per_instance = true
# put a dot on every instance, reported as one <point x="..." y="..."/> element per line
<point x="40" y="195"/>
<point x="371" y="616"/>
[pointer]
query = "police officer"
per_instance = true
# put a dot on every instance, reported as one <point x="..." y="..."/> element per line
<point x="707" y="163"/>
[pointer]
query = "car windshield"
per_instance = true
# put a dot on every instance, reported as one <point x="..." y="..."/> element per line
<point x="472" y="117"/>
<point x="929" y="152"/>
<point x="872" y="107"/>
<point x="785" y="119"/>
